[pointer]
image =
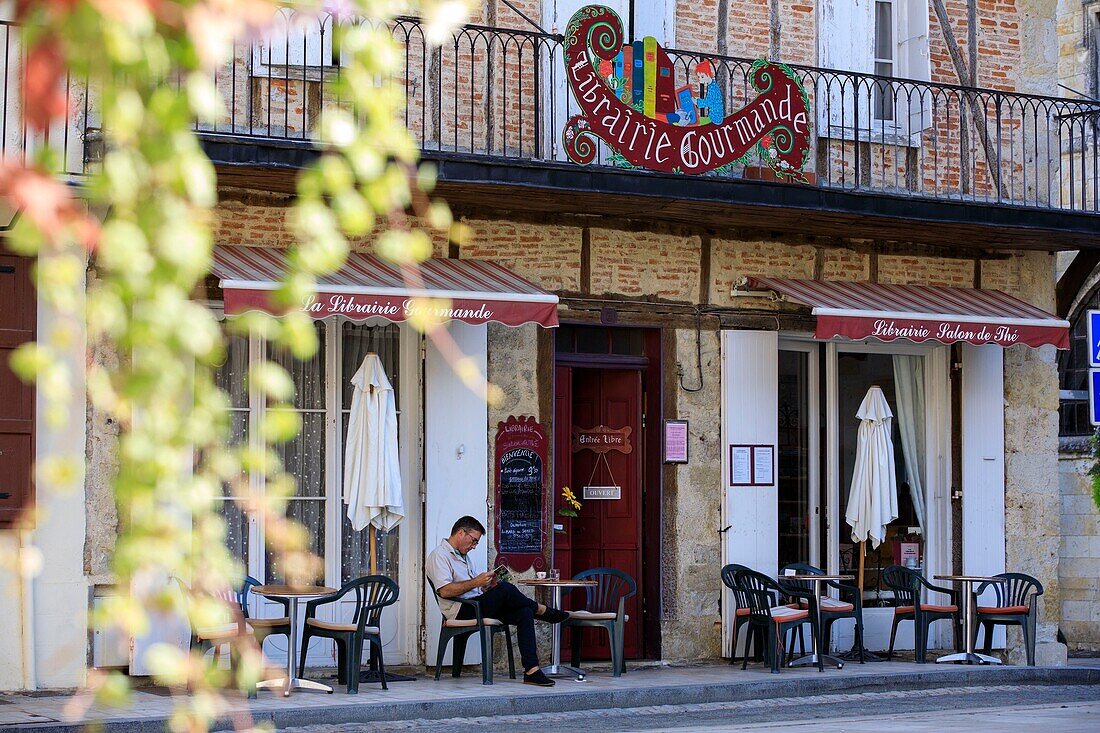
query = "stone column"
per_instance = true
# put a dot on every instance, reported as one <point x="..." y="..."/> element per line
<point x="1032" y="496"/>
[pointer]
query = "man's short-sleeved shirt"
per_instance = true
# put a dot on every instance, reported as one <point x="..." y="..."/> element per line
<point x="445" y="565"/>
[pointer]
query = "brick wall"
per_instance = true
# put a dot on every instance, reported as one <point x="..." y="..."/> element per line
<point x="939" y="271"/>
<point x="547" y="255"/>
<point x="645" y="264"/>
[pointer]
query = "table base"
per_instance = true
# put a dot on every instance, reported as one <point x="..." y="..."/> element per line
<point x="969" y="658"/>
<point x="812" y="659"/>
<point x="557" y="670"/>
<point x="296" y="683"/>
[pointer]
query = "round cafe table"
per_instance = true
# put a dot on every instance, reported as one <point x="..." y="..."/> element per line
<point x="969" y="656"/>
<point x="820" y="655"/>
<point x="292" y="593"/>
<point x="556" y="667"/>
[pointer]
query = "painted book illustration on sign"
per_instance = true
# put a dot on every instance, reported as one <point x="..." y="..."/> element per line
<point x="631" y="100"/>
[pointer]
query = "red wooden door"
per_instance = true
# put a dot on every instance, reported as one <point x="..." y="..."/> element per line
<point x="607" y="532"/>
<point x="18" y="313"/>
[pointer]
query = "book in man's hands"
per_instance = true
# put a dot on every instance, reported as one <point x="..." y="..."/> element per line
<point x="504" y="575"/>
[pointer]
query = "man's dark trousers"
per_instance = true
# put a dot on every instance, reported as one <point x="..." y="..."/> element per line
<point x="507" y="604"/>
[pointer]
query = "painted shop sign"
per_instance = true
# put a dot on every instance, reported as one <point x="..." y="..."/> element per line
<point x="602" y="439"/>
<point x="630" y="100"/>
<point x="919" y="330"/>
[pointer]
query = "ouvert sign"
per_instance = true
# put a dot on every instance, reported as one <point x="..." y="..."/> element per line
<point x="630" y="100"/>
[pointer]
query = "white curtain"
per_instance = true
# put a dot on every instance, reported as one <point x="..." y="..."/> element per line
<point x="909" y="394"/>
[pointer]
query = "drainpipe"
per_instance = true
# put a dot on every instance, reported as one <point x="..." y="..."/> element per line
<point x="26" y="613"/>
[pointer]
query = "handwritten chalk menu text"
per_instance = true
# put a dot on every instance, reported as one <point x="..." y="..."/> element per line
<point x="521" y="493"/>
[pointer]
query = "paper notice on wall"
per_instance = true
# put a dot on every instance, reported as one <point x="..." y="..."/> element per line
<point x="762" y="471"/>
<point x="740" y="465"/>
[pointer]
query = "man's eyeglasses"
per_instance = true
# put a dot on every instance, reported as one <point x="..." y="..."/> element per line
<point x="474" y="539"/>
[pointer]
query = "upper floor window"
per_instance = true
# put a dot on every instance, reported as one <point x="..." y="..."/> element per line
<point x="1073" y="372"/>
<point x="887" y="38"/>
<point x="885" y="55"/>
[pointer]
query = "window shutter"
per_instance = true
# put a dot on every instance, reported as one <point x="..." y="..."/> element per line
<point x="913" y="53"/>
<point x="847" y="34"/>
<point x="296" y="41"/>
<point x="18" y="314"/>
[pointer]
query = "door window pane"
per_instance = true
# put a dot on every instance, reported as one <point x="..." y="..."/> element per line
<point x="310" y="513"/>
<point x="856" y="373"/>
<point x="308" y="376"/>
<point x="304" y="456"/>
<point x="357" y="341"/>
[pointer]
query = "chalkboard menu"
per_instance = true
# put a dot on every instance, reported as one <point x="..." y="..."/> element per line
<point x="521" y="490"/>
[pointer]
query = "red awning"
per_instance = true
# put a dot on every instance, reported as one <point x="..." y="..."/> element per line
<point x="476" y="291"/>
<point x="862" y="310"/>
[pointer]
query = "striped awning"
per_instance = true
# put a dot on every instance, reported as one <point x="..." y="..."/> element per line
<point x="862" y="310"/>
<point x="472" y="291"/>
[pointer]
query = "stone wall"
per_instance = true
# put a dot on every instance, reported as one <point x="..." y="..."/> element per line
<point x="1079" y="567"/>
<point x="691" y="622"/>
<point x="1032" y="521"/>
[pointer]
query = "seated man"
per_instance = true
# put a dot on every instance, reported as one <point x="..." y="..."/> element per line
<point x="452" y="572"/>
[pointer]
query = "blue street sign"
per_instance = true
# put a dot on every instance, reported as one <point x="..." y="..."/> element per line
<point x="1094" y="396"/>
<point x="1094" y="339"/>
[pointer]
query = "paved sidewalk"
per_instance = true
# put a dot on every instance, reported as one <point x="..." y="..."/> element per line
<point x="450" y="698"/>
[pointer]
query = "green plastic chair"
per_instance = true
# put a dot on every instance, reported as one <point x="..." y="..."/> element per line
<point x="461" y="630"/>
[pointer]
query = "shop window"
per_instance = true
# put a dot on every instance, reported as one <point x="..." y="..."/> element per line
<point x="1073" y="372"/>
<point x="323" y="395"/>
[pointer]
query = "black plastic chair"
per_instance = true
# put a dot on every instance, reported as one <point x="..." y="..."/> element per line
<point x="263" y="627"/>
<point x="850" y="604"/>
<point x="372" y="594"/>
<point x="774" y="621"/>
<point x="906" y="584"/>
<point x="238" y="624"/>
<point x="205" y="639"/>
<point x="1016" y="606"/>
<point x="605" y="607"/>
<point x="461" y="629"/>
<point x="740" y="614"/>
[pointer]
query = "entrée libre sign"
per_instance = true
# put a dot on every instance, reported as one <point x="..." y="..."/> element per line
<point x="665" y="130"/>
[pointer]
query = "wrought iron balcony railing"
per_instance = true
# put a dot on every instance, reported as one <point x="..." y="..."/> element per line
<point x="68" y="140"/>
<point x="501" y="94"/>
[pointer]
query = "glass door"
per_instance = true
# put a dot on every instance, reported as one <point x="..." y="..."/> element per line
<point x="798" y="460"/>
<point x="915" y="393"/>
<point x="323" y="396"/>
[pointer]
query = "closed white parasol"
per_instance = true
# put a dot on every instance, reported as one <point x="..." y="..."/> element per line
<point x="873" y="498"/>
<point x="372" y="471"/>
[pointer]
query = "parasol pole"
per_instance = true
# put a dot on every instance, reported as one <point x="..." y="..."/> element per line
<point x="370" y="528"/>
<point x="862" y="557"/>
<point x="374" y="553"/>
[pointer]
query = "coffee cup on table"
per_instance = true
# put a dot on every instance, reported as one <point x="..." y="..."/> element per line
<point x="540" y="575"/>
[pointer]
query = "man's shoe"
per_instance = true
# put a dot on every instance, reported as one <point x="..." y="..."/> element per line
<point x="537" y="678"/>
<point x="553" y="615"/>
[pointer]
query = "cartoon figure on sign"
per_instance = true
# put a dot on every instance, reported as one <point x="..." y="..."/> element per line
<point x="712" y="108"/>
<point x="632" y="102"/>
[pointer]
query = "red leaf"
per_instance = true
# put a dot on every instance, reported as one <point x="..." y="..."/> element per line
<point x="43" y="91"/>
<point x="48" y="203"/>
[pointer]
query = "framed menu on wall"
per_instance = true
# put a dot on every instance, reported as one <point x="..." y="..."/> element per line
<point x="752" y="465"/>
<point x="521" y="519"/>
